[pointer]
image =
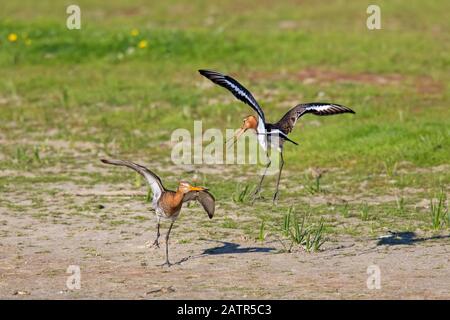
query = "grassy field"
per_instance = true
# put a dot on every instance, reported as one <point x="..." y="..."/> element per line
<point x="68" y="98"/>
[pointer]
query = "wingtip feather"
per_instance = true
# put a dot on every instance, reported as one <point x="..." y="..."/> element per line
<point x="205" y="72"/>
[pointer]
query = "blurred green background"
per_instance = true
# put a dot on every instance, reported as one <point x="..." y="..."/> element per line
<point x="285" y="52"/>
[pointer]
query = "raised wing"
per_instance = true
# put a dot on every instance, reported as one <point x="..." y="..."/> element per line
<point x="287" y="123"/>
<point x="205" y="198"/>
<point x="237" y="89"/>
<point x="153" y="180"/>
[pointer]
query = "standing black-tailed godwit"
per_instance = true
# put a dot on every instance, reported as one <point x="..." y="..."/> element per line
<point x="167" y="203"/>
<point x="266" y="132"/>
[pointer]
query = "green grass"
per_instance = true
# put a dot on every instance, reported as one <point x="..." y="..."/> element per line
<point x="300" y="232"/>
<point x="365" y="209"/>
<point x="242" y="193"/>
<point x="101" y="95"/>
<point x="262" y="232"/>
<point x="439" y="212"/>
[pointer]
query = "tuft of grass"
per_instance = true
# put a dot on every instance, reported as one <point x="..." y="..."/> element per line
<point x="400" y="205"/>
<point x="24" y="157"/>
<point x="314" y="239"/>
<point x="345" y="210"/>
<point x="241" y="194"/>
<point x="262" y="233"/>
<point x="287" y="221"/>
<point x="297" y="232"/>
<point x="313" y="183"/>
<point x="36" y="154"/>
<point x="440" y="216"/>
<point x="390" y="167"/>
<point x="365" y="212"/>
<point x="21" y="155"/>
<point x="309" y="237"/>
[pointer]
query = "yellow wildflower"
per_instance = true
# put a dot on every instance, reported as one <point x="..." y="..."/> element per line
<point x="143" y="44"/>
<point x="12" y="37"/>
<point x="134" y="32"/>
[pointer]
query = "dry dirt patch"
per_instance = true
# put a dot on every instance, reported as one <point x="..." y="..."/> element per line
<point x="35" y="253"/>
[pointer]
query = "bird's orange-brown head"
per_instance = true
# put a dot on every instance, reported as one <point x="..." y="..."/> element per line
<point x="185" y="187"/>
<point x="249" y="122"/>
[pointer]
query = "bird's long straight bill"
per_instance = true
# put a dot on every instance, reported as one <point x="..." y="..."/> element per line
<point x="235" y="136"/>
<point x="197" y="188"/>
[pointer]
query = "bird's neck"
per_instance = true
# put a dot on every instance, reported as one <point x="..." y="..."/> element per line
<point x="178" y="197"/>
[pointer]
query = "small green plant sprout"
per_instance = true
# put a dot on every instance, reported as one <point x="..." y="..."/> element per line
<point x="36" y="154"/>
<point x="440" y="217"/>
<point x="400" y="202"/>
<point x="262" y="232"/>
<point x="345" y="210"/>
<point x="297" y="232"/>
<point x="241" y="194"/>
<point x="390" y="167"/>
<point x="314" y="238"/>
<point x="313" y="180"/>
<point x="287" y="221"/>
<point x="21" y="155"/>
<point x="64" y="97"/>
<point x="365" y="211"/>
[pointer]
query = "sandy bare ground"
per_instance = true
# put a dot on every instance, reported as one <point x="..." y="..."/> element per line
<point x="103" y="229"/>
<point x="115" y="263"/>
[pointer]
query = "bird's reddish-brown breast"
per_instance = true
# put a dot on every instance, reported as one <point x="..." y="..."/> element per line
<point x="171" y="202"/>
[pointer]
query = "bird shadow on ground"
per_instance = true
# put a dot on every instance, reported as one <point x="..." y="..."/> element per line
<point x="230" y="248"/>
<point x="226" y="248"/>
<point x="406" y="238"/>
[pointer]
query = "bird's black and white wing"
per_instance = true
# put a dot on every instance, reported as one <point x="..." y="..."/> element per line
<point x="288" y="121"/>
<point x="237" y="89"/>
<point x="153" y="180"/>
<point x="205" y="198"/>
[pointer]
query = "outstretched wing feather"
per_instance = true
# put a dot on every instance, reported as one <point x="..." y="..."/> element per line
<point x="288" y="121"/>
<point x="237" y="89"/>
<point x="205" y="198"/>
<point x="153" y="180"/>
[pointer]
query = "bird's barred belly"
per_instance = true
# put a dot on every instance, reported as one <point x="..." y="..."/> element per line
<point x="161" y="214"/>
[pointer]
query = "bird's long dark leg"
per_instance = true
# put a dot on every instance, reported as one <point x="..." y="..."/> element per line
<point x="156" y="242"/>
<point x="258" y="189"/>
<point x="167" y="245"/>
<point x="275" y="196"/>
